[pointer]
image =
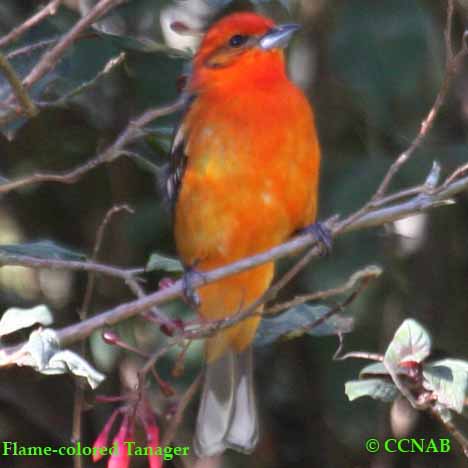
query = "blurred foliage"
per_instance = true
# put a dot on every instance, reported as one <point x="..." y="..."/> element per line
<point x="372" y="70"/>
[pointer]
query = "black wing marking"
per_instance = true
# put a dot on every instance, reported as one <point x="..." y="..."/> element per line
<point x="178" y="161"/>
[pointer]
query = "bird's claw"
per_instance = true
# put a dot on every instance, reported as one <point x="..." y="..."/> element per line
<point x="323" y="235"/>
<point x="190" y="295"/>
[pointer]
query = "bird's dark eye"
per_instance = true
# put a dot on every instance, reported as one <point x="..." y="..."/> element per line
<point x="238" y="40"/>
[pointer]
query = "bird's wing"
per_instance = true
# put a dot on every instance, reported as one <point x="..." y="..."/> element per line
<point x="177" y="161"/>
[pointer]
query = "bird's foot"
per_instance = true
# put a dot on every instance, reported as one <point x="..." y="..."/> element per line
<point x="191" y="296"/>
<point x="323" y="235"/>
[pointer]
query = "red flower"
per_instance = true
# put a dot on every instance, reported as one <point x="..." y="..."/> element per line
<point x="152" y="436"/>
<point x="120" y="458"/>
<point x="103" y="437"/>
<point x="119" y="451"/>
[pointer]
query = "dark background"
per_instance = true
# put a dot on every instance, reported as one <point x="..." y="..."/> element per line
<point x="372" y="70"/>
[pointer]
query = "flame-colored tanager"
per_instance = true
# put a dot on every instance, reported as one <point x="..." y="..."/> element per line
<point x="244" y="176"/>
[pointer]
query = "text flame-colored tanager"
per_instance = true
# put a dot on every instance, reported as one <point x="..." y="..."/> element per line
<point x="244" y="176"/>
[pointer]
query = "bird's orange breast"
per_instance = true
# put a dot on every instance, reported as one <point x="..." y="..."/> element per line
<point x="251" y="176"/>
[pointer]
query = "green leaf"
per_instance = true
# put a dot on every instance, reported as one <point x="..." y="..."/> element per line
<point x="15" y="319"/>
<point x="448" y="379"/>
<point x="41" y="249"/>
<point x="411" y="342"/>
<point x="159" y="262"/>
<point x="291" y="324"/>
<point x="377" y="389"/>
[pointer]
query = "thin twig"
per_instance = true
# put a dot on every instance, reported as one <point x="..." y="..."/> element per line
<point x="338" y="308"/>
<point x="27" y="49"/>
<point x="83" y="312"/>
<point x="27" y="105"/>
<point x="437" y="411"/>
<point x="367" y="273"/>
<point x="52" y="57"/>
<point x="16" y="33"/>
<point x="457" y="173"/>
<point x="131" y="133"/>
<point x="448" y="32"/>
<point x="452" y="65"/>
<point x="154" y="358"/>
<point x="110" y="65"/>
<point x="97" y="246"/>
<point x="360" y="355"/>
<point x="72" y="265"/>
<point x="171" y="430"/>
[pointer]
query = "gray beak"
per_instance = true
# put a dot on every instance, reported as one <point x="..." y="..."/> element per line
<point x="278" y="37"/>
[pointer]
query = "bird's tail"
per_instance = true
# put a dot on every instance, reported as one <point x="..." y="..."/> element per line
<point x="227" y="417"/>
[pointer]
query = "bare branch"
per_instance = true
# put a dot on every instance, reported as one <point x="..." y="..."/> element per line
<point x="52" y="57"/>
<point x="452" y="65"/>
<point x="451" y="68"/>
<point x="438" y="412"/>
<point x="110" y="65"/>
<point x="16" y="33"/>
<point x="366" y="274"/>
<point x="27" y="49"/>
<point x="448" y="32"/>
<point x="27" y="106"/>
<point x="131" y="133"/>
<point x="79" y="399"/>
<point x="360" y="355"/>
<point x="171" y="430"/>
<point x="72" y="265"/>
<point x="341" y="306"/>
<point x="97" y="246"/>
<point x="77" y="332"/>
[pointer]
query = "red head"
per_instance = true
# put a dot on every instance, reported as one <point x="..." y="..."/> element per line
<point x="240" y="48"/>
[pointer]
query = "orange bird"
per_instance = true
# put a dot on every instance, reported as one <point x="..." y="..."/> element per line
<point x="244" y="176"/>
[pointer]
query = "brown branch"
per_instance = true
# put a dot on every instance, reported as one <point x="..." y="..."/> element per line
<point x="131" y="133"/>
<point x="110" y="65"/>
<point x="72" y="265"/>
<point x="451" y="68"/>
<point x="79" y="399"/>
<point x="452" y="65"/>
<point x="16" y="33"/>
<point x="97" y="246"/>
<point x="77" y="332"/>
<point x="448" y="32"/>
<point x="370" y="272"/>
<point x="27" y="49"/>
<point x="438" y="412"/>
<point x="52" y="57"/>
<point x="360" y="355"/>
<point x="27" y="105"/>
<point x="176" y="420"/>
